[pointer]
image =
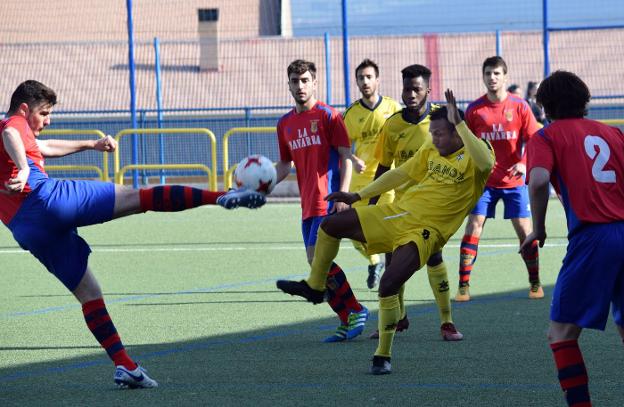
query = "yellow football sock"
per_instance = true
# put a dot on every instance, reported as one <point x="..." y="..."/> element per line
<point x="373" y="259"/>
<point x="402" y="301"/>
<point x="325" y="252"/>
<point x="389" y="315"/>
<point x="438" y="280"/>
<point x="361" y="248"/>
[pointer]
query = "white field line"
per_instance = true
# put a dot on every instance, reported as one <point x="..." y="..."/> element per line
<point x="263" y="247"/>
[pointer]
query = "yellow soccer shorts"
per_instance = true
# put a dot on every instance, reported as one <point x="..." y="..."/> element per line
<point x="387" y="227"/>
<point x="385" y="198"/>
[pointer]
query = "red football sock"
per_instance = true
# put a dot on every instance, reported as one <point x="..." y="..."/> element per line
<point x="467" y="256"/>
<point x="100" y="324"/>
<point x="572" y="373"/>
<point x="531" y="258"/>
<point x="174" y="198"/>
<point x="341" y="297"/>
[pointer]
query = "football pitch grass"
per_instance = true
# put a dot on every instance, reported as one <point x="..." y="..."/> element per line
<point x="193" y="297"/>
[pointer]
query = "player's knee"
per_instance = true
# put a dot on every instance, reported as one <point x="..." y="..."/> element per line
<point x="474" y="227"/>
<point x="389" y="285"/>
<point x="86" y="293"/>
<point x="435" y="259"/>
<point x="127" y="201"/>
<point x="336" y="225"/>
<point x="474" y="230"/>
<point x="558" y="332"/>
<point x="328" y="226"/>
<point x="388" y="257"/>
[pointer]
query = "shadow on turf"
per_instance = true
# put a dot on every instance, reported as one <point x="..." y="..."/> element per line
<point x="10" y="348"/>
<point x="107" y="295"/>
<point x="197" y="244"/>
<point x="507" y="239"/>
<point x="504" y="360"/>
<point x="360" y="292"/>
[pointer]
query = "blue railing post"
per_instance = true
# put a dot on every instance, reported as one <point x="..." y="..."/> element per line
<point x="546" y="38"/>
<point x="142" y="120"/>
<point x="328" y="84"/>
<point x="132" y="72"/>
<point x="345" y="53"/>
<point x="159" y="112"/>
<point x="499" y="44"/>
<point x="248" y="124"/>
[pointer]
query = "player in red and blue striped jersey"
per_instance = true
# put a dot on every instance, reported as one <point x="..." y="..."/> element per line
<point x="506" y="121"/>
<point x="43" y="213"/>
<point x="313" y="136"/>
<point x="584" y="161"/>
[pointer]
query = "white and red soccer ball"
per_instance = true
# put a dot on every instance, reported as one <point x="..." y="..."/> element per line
<point x="257" y="173"/>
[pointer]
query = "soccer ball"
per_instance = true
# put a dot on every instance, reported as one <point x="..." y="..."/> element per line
<point x="257" y="173"/>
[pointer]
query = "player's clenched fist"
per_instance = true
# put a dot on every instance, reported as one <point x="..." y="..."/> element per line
<point x="107" y="143"/>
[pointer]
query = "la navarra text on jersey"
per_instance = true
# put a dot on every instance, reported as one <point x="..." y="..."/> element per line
<point x="499" y="133"/>
<point x="304" y="140"/>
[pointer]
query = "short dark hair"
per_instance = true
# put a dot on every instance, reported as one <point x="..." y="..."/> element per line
<point x="414" y="71"/>
<point x="442" y="113"/>
<point x="300" y="66"/>
<point x="494" y="62"/>
<point x="563" y="95"/>
<point x="367" y="63"/>
<point x="512" y="88"/>
<point x="530" y="86"/>
<point x="33" y="93"/>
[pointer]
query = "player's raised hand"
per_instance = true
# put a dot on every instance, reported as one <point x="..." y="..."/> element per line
<point x="107" y="144"/>
<point x="340" y="196"/>
<point x="358" y="164"/>
<point x="533" y="236"/>
<point x="517" y="170"/>
<point x="453" y="112"/>
<point x="339" y="207"/>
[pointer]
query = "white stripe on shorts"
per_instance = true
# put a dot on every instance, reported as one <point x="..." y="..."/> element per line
<point x="398" y="215"/>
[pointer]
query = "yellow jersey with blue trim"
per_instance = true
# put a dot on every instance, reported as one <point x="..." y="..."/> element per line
<point x="446" y="189"/>
<point x="401" y="139"/>
<point x="364" y="125"/>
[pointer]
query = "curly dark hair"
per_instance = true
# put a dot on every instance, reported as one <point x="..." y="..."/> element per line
<point x="414" y="71"/>
<point x="563" y="95"/>
<point x="442" y="113"/>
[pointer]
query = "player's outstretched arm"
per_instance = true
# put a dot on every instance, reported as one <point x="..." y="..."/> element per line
<point x="388" y="181"/>
<point x="346" y="167"/>
<point x="61" y="148"/>
<point x="282" y="168"/>
<point x="381" y="170"/>
<point x="348" y="198"/>
<point x="479" y="150"/>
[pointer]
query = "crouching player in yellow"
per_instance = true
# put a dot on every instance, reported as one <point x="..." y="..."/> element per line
<point x="449" y="172"/>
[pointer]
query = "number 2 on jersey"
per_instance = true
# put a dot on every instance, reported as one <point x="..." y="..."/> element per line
<point x="598" y="149"/>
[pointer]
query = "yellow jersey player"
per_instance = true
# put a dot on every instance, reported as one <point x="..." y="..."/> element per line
<point x="364" y="120"/>
<point x="402" y="136"/>
<point x="449" y="173"/>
